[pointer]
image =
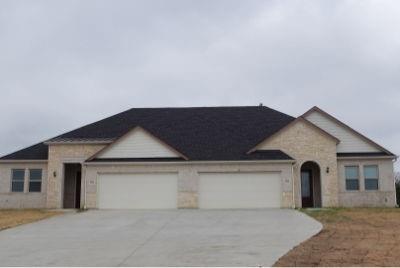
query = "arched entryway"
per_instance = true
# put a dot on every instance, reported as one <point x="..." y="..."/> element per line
<point x="310" y="185"/>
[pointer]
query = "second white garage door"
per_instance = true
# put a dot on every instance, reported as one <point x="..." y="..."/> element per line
<point x="240" y="190"/>
<point x="137" y="191"/>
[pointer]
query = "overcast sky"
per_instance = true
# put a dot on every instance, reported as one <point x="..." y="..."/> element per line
<point x="67" y="63"/>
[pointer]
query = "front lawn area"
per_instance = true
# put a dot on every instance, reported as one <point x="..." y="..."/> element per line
<point x="14" y="217"/>
<point x="350" y="237"/>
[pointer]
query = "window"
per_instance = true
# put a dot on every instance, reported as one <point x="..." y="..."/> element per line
<point x="35" y="180"/>
<point x="352" y="176"/>
<point x="17" y="180"/>
<point x="371" y="176"/>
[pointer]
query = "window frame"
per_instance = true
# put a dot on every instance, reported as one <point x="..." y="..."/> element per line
<point x="19" y="180"/>
<point x="377" y="178"/>
<point x="35" y="180"/>
<point x="352" y="179"/>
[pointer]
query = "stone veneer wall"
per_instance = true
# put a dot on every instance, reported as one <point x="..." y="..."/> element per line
<point x="26" y="199"/>
<point x="385" y="196"/>
<point x="305" y="143"/>
<point x="188" y="177"/>
<point x="58" y="155"/>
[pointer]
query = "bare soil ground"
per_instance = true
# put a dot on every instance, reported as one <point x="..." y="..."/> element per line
<point x="350" y="237"/>
<point x="11" y="218"/>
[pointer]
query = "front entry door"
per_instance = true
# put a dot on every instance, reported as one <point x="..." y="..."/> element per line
<point x="306" y="189"/>
<point x="78" y="190"/>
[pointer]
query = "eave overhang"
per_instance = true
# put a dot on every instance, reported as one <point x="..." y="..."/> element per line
<point x="191" y="162"/>
<point x="23" y="161"/>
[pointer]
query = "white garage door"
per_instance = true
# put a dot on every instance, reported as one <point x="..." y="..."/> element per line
<point x="240" y="190"/>
<point x="137" y="191"/>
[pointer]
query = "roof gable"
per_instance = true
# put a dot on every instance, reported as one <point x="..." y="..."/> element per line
<point x="351" y="141"/>
<point x="139" y="143"/>
<point x="264" y="144"/>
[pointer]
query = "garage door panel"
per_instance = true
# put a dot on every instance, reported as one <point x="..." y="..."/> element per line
<point x="239" y="190"/>
<point x="137" y="191"/>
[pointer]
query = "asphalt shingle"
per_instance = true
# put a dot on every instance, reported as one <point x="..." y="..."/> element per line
<point x="200" y="133"/>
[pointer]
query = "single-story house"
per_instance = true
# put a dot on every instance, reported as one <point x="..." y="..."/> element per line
<point x="201" y="157"/>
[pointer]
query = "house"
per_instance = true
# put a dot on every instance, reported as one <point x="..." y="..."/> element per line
<point x="201" y="157"/>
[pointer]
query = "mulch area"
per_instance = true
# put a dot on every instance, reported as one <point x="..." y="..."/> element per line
<point x="350" y="237"/>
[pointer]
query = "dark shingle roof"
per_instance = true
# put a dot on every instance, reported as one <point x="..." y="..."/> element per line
<point x="257" y="155"/>
<point x="364" y="154"/>
<point x="200" y="133"/>
<point x="38" y="151"/>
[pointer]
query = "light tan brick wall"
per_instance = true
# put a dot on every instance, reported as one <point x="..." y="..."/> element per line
<point x="188" y="177"/>
<point x="26" y="199"/>
<point x="58" y="156"/>
<point x="384" y="197"/>
<point x="305" y="143"/>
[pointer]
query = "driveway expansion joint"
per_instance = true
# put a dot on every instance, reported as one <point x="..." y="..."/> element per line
<point x="149" y="239"/>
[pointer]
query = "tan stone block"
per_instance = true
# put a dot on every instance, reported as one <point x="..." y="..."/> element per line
<point x="187" y="200"/>
<point x="58" y="155"/>
<point x="305" y="143"/>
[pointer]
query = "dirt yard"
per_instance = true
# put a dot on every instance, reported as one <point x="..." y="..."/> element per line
<point x="11" y="218"/>
<point x="350" y="237"/>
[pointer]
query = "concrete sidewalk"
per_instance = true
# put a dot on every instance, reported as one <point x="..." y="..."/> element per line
<point x="157" y="238"/>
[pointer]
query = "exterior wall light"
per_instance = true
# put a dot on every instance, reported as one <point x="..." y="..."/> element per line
<point x="327" y="169"/>
<point x="54" y="174"/>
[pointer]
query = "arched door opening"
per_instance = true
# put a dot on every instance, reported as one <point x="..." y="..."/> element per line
<point x="310" y="185"/>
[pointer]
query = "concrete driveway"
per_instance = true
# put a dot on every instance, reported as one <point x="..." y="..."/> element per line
<point x="157" y="238"/>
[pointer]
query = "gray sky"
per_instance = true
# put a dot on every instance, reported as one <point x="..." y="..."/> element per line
<point x="67" y="63"/>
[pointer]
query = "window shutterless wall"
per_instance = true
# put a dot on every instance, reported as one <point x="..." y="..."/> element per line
<point x="24" y="199"/>
<point x="359" y="177"/>
<point x="26" y="180"/>
<point x="384" y="196"/>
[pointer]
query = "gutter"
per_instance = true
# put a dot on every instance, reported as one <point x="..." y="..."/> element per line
<point x="23" y="161"/>
<point x="84" y="187"/>
<point x="366" y="157"/>
<point x="189" y="162"/>
<point x="75" y="142"/>
<point x="293" y="191"/>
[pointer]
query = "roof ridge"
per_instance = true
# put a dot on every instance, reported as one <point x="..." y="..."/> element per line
<point x="196" y="107"/>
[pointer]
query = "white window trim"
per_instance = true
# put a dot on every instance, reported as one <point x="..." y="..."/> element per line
<point x="11" y="180"/>
<point x="378" y="178"/>
<point x="358" y="178"/>
<point x="35" y="180"/>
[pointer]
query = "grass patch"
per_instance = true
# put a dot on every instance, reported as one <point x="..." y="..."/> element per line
<point x="13" y="217"/>
<point x="350" y="237"/>
<point x="328" y="215"/>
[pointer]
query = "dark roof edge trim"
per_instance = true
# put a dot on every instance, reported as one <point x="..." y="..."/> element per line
<point x="355" y="155"/>
<point x="394" y="157"/>
<point x="158" y="159"/>
<point x="78" y="142"/>
<point x="192" y="162"/>
<point x="289" y="157"/>
<point x="24" y="160"/>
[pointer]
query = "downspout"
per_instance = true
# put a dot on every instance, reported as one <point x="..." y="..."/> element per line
<point x="84" y="186"/>
<point x="395" y="188"/>
<point x="293" y="199"/>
